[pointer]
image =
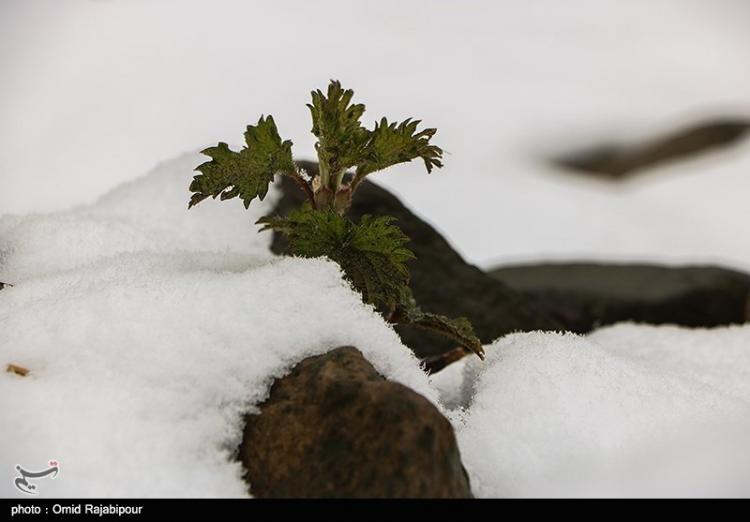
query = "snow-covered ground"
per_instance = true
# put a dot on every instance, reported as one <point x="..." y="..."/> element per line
<point x="629" y="410"/>
<point x="148" y="330"/>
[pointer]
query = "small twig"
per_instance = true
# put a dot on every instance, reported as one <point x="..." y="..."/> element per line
<point x="18" y="370"/>
<point x="438" y="362"/>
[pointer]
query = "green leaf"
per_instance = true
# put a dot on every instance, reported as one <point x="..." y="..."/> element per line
<point x="247" y="173"/>
<point x="395" y="143"/>
<point x="371" y="253"/>
<point x="458" y="329"/>
<point x="336" y="124"/>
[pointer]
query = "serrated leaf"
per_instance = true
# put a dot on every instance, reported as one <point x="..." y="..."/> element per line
<point x="247" y="173"/>
<point x="459" y="329"/>
<point x="393" y="143"/>
<point x="336" y="124"/>
<point x="371" y="253"/>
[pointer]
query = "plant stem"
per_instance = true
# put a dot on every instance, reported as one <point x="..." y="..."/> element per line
<point x="323" y="170"/>
<point x="337" y="179"/>
<point x="358" y="178"/>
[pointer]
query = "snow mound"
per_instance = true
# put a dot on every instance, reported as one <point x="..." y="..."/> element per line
<point x="626" y="411"/>
<point x="145" y="215"/>
<point x="150" y="330"/>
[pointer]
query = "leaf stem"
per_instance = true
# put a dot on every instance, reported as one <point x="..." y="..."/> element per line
<point x="358" y="178"/>
<point x="303" y="184"/>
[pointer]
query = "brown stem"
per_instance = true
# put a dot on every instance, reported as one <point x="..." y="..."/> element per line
<point x="438" y="362"/>
<point x="395" y="315"/>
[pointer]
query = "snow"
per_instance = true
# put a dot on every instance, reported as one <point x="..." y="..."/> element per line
<point x="140" y="216"/>
<point x="149" y="330"/>
<point x="629" y="410"/>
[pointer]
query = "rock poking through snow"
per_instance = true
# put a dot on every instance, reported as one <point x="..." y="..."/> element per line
<point x="584" y="296"/>
<point x="334" y="427"/>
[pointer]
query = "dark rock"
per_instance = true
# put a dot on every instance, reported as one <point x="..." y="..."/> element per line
<point x="620" y="161"/>
<point x="442" y="282"/>
<point x="3" y="285"/>
<point x="583" y="296"/>
<point x="335" y="428"/>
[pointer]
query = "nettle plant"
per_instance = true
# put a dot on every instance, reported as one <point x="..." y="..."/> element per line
<point x="372" y="253"/>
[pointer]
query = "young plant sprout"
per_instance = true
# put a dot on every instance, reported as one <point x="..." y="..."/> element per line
<point x="372" y="253"/>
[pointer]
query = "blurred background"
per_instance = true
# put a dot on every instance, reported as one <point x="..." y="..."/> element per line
<point x="96" y="93"/>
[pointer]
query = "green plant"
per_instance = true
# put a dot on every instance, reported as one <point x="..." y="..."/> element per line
<point x="371" y="253"/>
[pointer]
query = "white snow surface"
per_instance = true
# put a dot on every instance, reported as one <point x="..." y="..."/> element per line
<point x="149" y="330"/>
<point x="629" y="410"/>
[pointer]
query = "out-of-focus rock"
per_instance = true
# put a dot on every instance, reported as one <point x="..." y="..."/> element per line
<point x="334" y="427"/>
<point x="620" y="161"/>
<point x="583" y="296"/>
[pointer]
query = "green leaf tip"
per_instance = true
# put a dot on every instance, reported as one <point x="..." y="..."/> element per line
<point x="393" y="143"/>
<point x="247" y="173"/>
<point x="336" y="124"/>
<point x="459" y="329"/>
<point x="344" y="142"/>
